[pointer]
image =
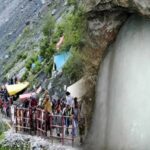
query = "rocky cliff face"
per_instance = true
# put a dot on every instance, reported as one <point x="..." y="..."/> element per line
<point x="15" y="15"/>
<point x="107" y="16"/>
<point x="142" y="7"/>
<point x="21" y="24"/>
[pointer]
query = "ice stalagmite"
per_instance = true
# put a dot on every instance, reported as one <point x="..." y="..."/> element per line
<point x="121" y="119"/>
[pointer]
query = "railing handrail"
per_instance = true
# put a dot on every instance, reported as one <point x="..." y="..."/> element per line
<point x="40" y="126"/>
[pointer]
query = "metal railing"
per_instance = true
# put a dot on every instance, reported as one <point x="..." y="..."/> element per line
<point x="41" y="122"/>
<point x="23" y="117"/>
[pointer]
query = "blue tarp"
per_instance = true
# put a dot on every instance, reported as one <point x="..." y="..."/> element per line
<point x="60" y="59"/>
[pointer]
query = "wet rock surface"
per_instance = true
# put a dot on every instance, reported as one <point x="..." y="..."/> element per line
<point x="138" y="6"/>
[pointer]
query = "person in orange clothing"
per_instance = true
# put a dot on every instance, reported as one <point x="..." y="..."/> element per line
<point x="47" y="104"/>
<point x="48" y="108"/>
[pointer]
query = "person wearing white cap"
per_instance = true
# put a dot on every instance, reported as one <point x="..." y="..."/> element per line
<point x="69" y="99"/>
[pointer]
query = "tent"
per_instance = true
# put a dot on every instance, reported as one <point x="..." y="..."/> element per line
<point x="16" y="88"/>
<point x="26" y="95"/>
<point x="60" y="59"/>
<point x="78" y="89"/>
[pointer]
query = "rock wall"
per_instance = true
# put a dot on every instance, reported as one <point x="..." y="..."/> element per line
<point x="104" y="19"/>
<point x="138" y="6"/>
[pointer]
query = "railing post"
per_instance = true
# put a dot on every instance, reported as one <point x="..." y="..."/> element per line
<point x="72" y="131"/>
<point x="62" y="129"/>
<point x="16" y="118"/>
<point x="23" y="125"/>
<point x="21" y="120"/>
<point x="37" y="122"/>
<point x="34" y="124"/>
<point x="46" y="121"/>
<point x="51" y="127"/>
<point x="40" y="122"/>
<point x="10" y="112"/>
<point x="30" y="119"/>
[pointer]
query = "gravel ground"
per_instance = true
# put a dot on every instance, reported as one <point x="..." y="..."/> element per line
<point x="13" y="139"/>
